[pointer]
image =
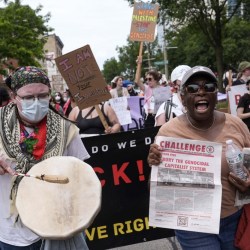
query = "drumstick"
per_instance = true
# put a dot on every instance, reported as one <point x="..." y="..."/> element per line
<point x="49" y="178"/>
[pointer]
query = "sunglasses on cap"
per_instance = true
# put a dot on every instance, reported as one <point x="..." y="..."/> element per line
<point x="208" y="87"/>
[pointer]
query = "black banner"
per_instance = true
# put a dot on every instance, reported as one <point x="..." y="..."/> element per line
<point x="120" y="163"/>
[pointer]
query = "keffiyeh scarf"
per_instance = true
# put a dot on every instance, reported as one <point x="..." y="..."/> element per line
<point x="56" y="140"/>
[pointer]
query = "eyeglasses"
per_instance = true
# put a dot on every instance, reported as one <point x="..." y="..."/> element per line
<point x="32" y="98"/>
<point x="149" y="79"/>
<point x="194" y="88"/>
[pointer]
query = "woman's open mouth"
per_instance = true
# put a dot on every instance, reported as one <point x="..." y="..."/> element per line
<point x="201" y="106"/>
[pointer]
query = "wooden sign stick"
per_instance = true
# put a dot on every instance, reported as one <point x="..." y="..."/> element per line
<point x="230" y="82"/>
<point x="103" y="120"/>
<point x="139" y="65"/>
<point x="61" y="179"/>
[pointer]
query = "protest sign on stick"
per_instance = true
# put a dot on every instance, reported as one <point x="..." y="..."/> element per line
<point x="143" y="25"/>
<point x="84" y="79"/>
<point x="138" y="69"/>
<point x="144" y="21"/>
<point x="230" y="82"/>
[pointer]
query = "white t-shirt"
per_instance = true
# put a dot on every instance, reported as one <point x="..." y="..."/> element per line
<point x="177" y="107"/>
<point x="17" y="234"/>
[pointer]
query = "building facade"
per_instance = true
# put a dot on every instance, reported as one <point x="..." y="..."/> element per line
<point x="53" y="49"/>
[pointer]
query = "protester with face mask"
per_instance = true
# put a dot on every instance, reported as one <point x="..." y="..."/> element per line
<point x="66" y="95"/>
<point x="57" y="102"/>
<point x="30" y="132"/>
<point x="59" y="98"/>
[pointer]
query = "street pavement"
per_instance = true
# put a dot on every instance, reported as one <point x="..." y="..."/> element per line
<point x="162" y="244"/>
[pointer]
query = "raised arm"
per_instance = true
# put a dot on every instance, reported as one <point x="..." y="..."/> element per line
<point x="138" y="74"/>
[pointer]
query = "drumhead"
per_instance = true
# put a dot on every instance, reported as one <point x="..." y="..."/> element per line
<point x="58" y="211"/>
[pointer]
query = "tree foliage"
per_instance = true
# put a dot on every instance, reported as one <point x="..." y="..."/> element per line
<point x="236" y="42"/>
<point x="194" y="49"/>
<point x="126" y="63"/>
<point x="209" y="18"/>
<point x="22" y="34"/>
<point x="110" y="69"/>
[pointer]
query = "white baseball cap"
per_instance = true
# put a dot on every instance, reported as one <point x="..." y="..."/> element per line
<point x="198" y="70"/>
<point x="178" y="72"/>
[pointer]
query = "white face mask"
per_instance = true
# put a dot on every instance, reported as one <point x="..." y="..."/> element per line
<point x="57" y="98"/>
<point x="36" y="110"/>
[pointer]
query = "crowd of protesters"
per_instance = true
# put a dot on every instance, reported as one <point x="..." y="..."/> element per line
<point x="192" y="101"/>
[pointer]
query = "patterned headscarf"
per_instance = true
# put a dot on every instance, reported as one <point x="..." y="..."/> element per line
<point x="27" y="75"/>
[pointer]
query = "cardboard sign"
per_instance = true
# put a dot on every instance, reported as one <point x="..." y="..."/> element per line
<point x="83" y="77"/>
<point x="144" y="20"/>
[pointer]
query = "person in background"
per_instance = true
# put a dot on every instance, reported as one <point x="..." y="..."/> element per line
<point x="203" y="122"/>
<point x="118" y="90"/>
<point x="30" y="132"/>
<point x="163" y="80"/>
<point x="243" y="108"/>
<point x="226" y="77"/>
<point x="152" y="83"/>
<point x="89" y="122"/>
<point x="131" y="90"/>
<point x="172" y="107"/>
<point x="65" y="95"/>
<point x="129" y="85"/>
<point x="4" y="96"/>
<point x="244" y="73"/>
<point x="57" y="102"/>
<point x="69" y="104"/>
<point x="59" y="98"/>
<point x="113" y="83"/>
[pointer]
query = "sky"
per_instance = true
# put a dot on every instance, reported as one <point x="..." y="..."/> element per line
<point x="103" y="24"/>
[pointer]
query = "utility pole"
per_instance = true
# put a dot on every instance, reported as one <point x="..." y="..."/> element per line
<point x="148" y="57"/>
<point x="165" y="53"/>
<point x="165" y="57"/>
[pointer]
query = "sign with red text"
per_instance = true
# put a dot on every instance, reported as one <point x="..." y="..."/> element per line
<point x="120" y="162"/>
<point x="186" y="190"/>
<point x="144" y="21"/>
<point x="234" y="95"/>
<point x="83" y="77"/>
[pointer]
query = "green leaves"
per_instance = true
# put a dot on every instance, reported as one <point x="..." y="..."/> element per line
<point x="21" y="34"/>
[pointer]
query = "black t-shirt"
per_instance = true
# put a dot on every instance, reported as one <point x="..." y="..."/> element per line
<point x="91" y="125"/>
<point x="244" y="102"/>
<point x="238" y="82"/>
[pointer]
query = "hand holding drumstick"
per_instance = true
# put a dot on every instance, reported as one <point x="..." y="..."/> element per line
<point x="7" y="166"/>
